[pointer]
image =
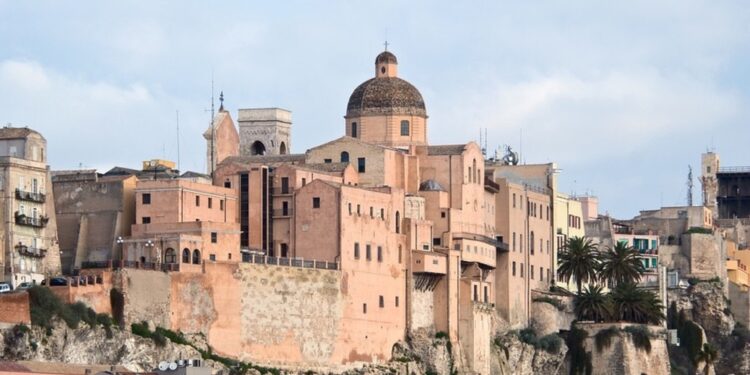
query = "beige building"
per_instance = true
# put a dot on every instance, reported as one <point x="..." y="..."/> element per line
<point x="29" y="232"/>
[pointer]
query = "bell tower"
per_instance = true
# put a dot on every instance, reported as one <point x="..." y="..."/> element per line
<point x="710" y="185"/>
<point x="265" y="131"/>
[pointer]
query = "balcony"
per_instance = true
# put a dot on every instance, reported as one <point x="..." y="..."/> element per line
<point x="31" y="251"/>
<point x="29" y="196"/>
<point x="282" y="191"/>
<point x="282" y="213"/>
<point x="428" y="262"/>
<point x="36" y="222"/>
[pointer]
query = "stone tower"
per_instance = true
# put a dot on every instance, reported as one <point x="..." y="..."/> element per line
<point x="265" y="131"/>
<point x="710" y="185"/>
<point x="387" y="110"/>
<point x="222" y="140"/>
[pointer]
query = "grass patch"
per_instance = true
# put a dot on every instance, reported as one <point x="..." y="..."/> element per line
<point x="603" y="338"/>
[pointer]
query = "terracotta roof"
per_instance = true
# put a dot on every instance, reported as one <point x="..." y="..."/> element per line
<point x="385" y="96"/>
<point x="446" y="150"/>
<point x="14" y="133"/>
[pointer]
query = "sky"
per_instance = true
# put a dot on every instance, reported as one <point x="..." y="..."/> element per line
<point x="623" y="96"/>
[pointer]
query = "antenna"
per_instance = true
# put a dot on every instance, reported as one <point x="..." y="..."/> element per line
<point x="178" y="140"/>
<point x="690" y="186"/>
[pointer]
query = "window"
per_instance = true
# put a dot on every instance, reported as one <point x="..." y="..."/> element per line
<point x="146" y="220"/>
<point x="197" y="201"/>
<point x="284" y="208"/>
<point x="185" y="255"/>
<point x="514" y="200"/>
<point x="372" y="212"/>
<point x="399" y="254"/>
<point x="328" y="161"/>
<point x="316" y="202"/>
<point x="350" y="208"/>
<point x="358" y="211"/>
<point x="285" y="185"/>
<point x="212" y="257"/>
<point x="146" y="198"/>
<point x="364" y="308"/>
<point x="442" y="215"/>
<point x="531" y="272"/>
<point x="396" y="301"/>
<point x="344" y="157"/>
<point x="531" y="243"/>
<point x="381" y="302"/>
<point x="304" y="181"/>
<point x="361" y="165"/>
<point x="404" y="127"/>
<point x="210" y="202"/>
<point x="213" y="237"/>
<point x="521" y="269"/>
<point x="196" y="256"/>
<point x="354" y="130"/>
<point x="221" y="204"/>
<point x="382" y="214"/>
<point x="486" y="294"/>
<point x="436" y="241"/>
<point x="514" y="241"/>
<point x="356" y="250"/>
<point x="227" y="184"/>
<point x="398" y="222"/>
<point x="476" y="294"/>
<point x="514" y="269"/>
<point x="368" y="252"/>
<point x="541" y="273"/>
<point x="380" y="254"/>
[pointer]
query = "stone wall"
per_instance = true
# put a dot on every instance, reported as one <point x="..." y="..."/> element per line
<point x="705" y="253"/>
<point x="421" y="310"/>
<point x="740" y="306"/>
<point x="621" y="357"/>
<point x="548" y="317"/>
<point x="14" y="308"/>
<point x="147" y="296"/>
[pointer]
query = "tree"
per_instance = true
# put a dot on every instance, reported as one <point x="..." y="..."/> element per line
<point x="578" y="259"/>
<point x="636" y="305"/>
<point x="709" y="355"/>
<point x="620" y="264"/>
<point x="592" y="304"/>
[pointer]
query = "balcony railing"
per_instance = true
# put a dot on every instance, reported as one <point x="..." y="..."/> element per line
<point x="37" y="222"/>
<point x="29" y="196"/>
<point x="290" y="262"/>
<point x="31" y="251"/>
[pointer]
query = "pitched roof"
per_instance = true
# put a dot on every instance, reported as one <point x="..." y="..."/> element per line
<point x="446" y="150"/>
<point x="355" y="140"/>
<point x="191" y="174"/>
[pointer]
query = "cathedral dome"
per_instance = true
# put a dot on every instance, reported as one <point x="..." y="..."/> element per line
<point x="386" y="94"/>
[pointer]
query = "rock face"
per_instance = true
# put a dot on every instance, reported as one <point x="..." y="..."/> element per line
<point x="90" y="346"/>
<point x="510" y="356"/>
<point x="622" y="356"/>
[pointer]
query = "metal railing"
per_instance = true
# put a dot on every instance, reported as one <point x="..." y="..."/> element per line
<point x="38" y="222"/>
<point x="31" y="251"/>
<point x="30" y="196"/>
<point x="291" y="262"/>
<point x="734" y="169"/>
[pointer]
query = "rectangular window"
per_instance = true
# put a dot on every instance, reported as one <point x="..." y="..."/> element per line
<point x="146" y="220"/>
<point x="361" y="165"/>
<point x="541" y="273"/>
<point x="436" y="241"/>
<point x="372" y="212"/>
<point x="396" y="301"/>
<point x="221" y="204"/>
<point x="368" y="252"/>
<point x="514" y="268"/>
<point x="364" y="308"/>
<point x="212" y="257"/>
<point x="197" y="201"/>
<point x="442" y="215"/>
<point x="404" y="127"/>
<point x="285" y="185"/>
<point x="210" y="202"/>
<point x="381" y="302"/>
<point x="475" y="297"/>
<point x="486" y="294"/>
<point x="399" y="254"/>
<point x="354" y="130"/>
<point x="380" y="253"/>
<point x="316" y="202"/>
<point x="514" y="241"/>
<point x="358" y="210"/>
<point x="531" y="272"/>
<point x="146" y="198"/>
<point x="304" y="181"/>
<point x="521" y="269"/>
<point x="227" y="184"/>
<point x="356" y="250"/>
<point x="284" y="208"/>
<point x="328" y="161"/>
<point x="213" y="237"/>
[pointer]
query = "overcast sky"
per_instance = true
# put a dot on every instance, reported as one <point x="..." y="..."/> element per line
<point x="622" y="95"/>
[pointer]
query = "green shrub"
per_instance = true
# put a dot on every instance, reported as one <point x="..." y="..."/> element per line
<point x="580" y="360"/>
<point x="117" y="301"/>
<point x="175" y="337"/>
<point x="44" y="306"/>
<point x="159" y="339"/>
<point x="550" y="343"/>
<point x="699" y="230"/>
<point x="441" y="335"/>
<point x="672" y="316"/>
<point x="104" y="320"/>
<point x="21" y="328"/>
<point x="528" y="336"/>
<point x="81" y="312"/>
<point x="640" y="336"/>
<point x="603" y="338"/>
<point x="141" y="329"/>
<point x="691" y="337"/>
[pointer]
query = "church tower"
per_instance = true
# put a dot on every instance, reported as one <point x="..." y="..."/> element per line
<point x="222" y="139"/>
<point x="387" y="110"/>
<point x="265" y="131"/>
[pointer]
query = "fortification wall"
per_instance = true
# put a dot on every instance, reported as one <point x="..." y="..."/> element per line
<point x="147" y="296"/>
<point x="621" y="357"/>
<point x="14" y="308"/>
<point x="740" y="297"/>
<point x="421" y="310"/>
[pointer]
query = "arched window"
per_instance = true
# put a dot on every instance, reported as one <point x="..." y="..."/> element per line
<point x="258" y="148"/>
<point x="196" y="256"/>
<point x="186" y="255"/>
<point x="170" y="256"/>
<point x="282" y="148"/>
<point x="344" y="157"/>
<point x="398" y="222"/>
<point x="473" y="168"/>
<point x="354" y="130"/>
<point x="404" y="127"/>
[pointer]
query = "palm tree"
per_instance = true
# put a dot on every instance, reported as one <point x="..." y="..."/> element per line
<point x="592" y="304"/>
<point x="621" y="264"/>
<point x="636" y="305"/>
<point x="578" y="259"/>
<point x="709" y="355"/>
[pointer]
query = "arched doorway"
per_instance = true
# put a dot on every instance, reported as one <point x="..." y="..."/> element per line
<point x="186" y="255"/>
<point x="196" y="256"/>
<point x="258" y="148"/>
<point x="344" y="157"/>
<point x="282" y="148"/>
<point x="170" y="256"/>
